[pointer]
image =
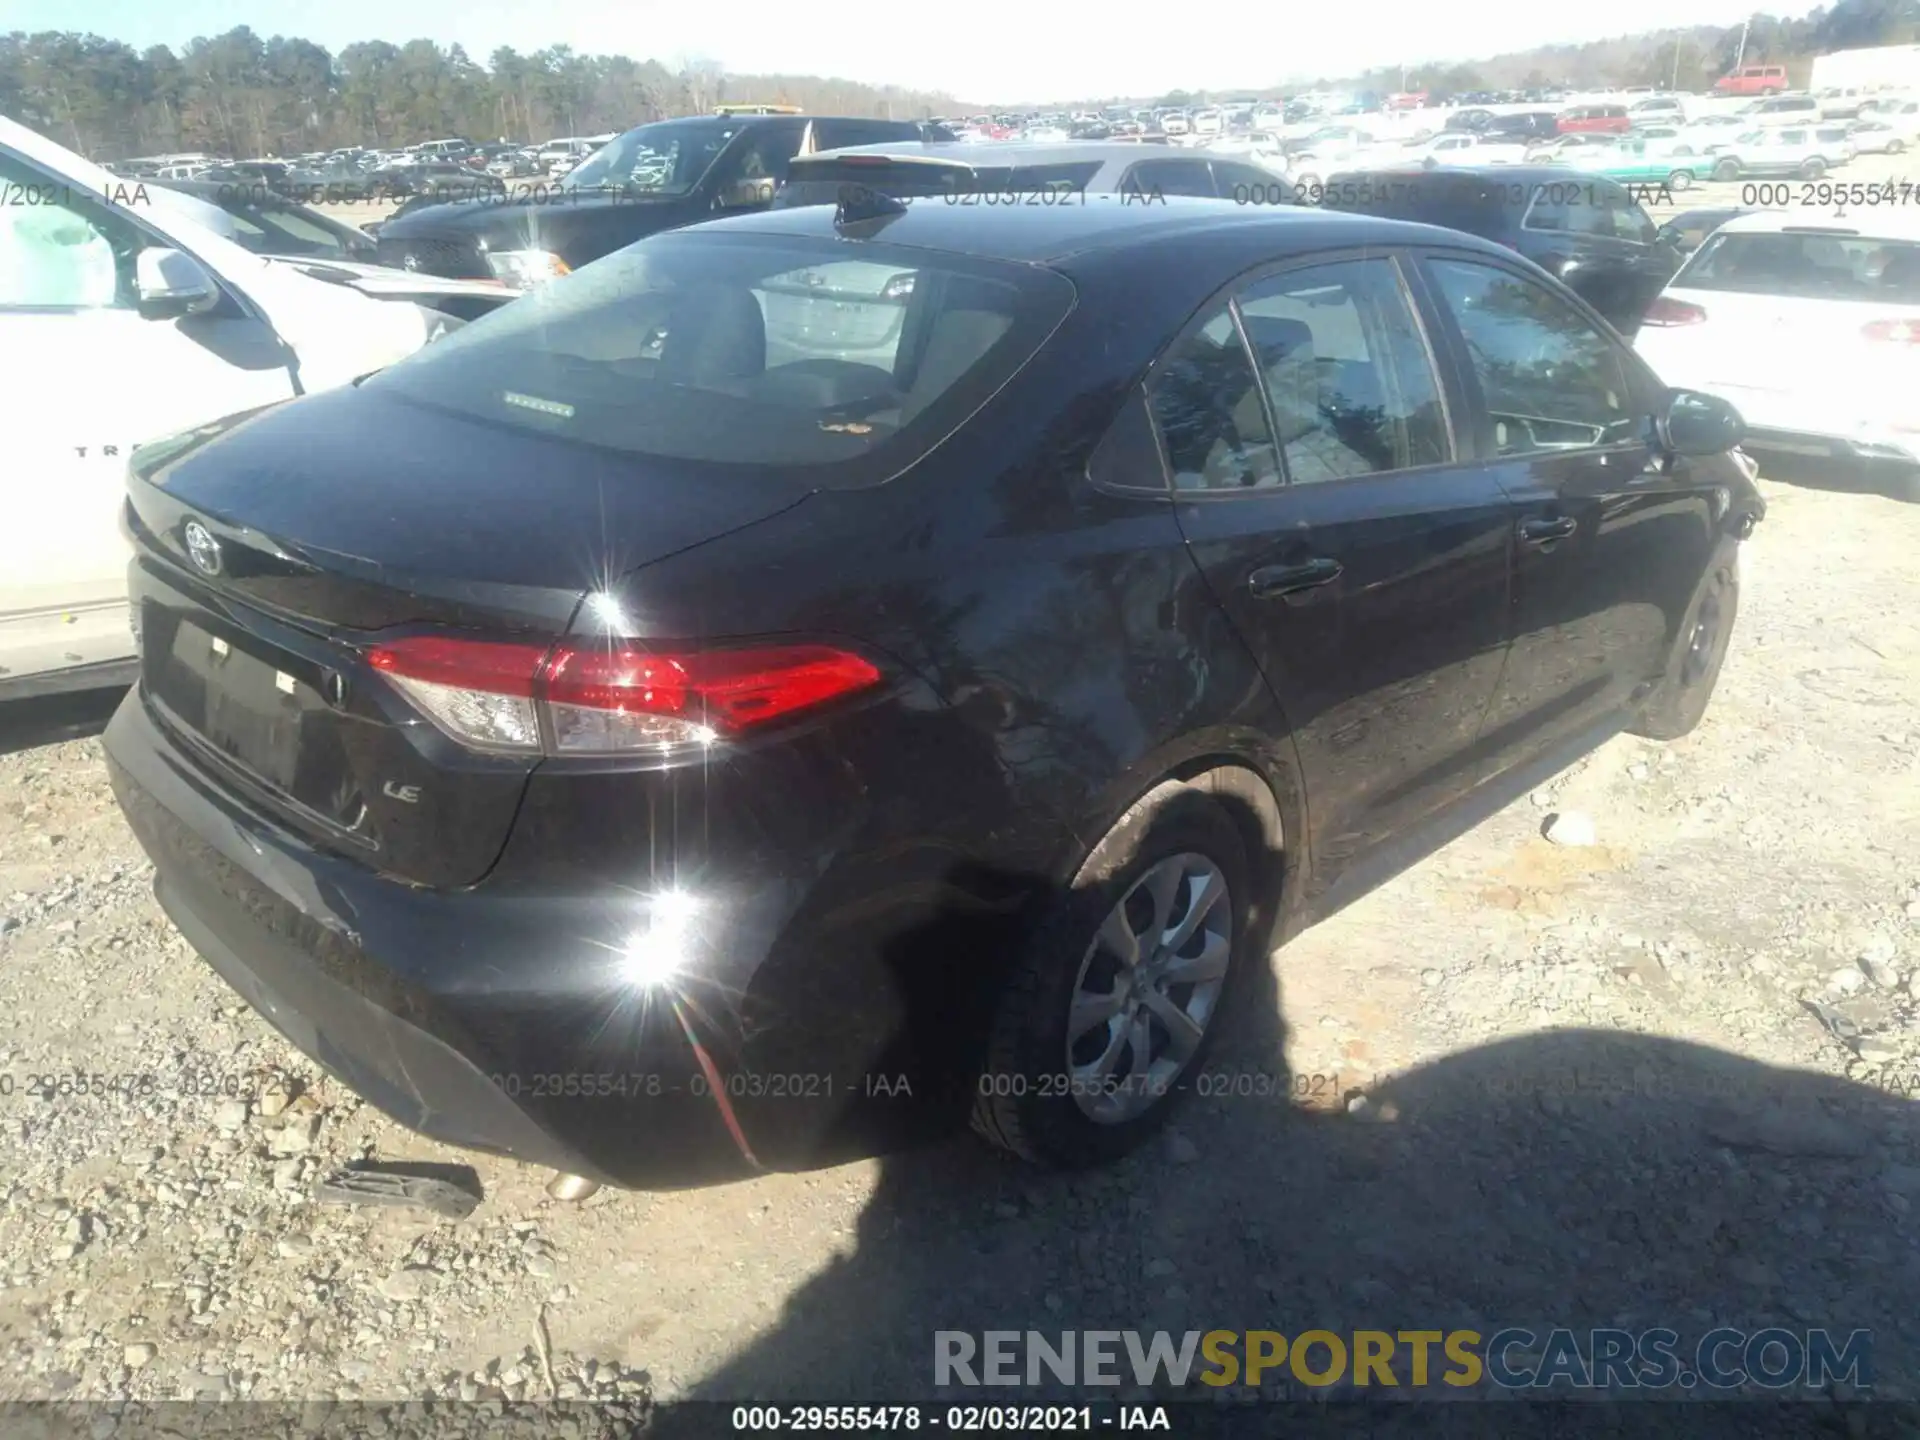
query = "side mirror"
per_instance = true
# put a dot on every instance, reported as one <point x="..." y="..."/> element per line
<point x="372" y="227"/>
<point x="744" y="193"/>
<point x="1667" y="235"/>
<point x="1690" y="423"/>
<point x="170" y="284"/>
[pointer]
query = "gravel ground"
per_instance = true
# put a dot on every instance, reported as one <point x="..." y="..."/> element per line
<point x="1666" y="1077"/>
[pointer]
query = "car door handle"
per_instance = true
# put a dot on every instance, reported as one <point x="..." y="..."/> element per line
<point x="1273" y="582"/>
<point x="1541" y="533"/>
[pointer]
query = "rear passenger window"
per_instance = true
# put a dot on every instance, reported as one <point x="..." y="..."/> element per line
<point x="1551" y="381"/>
<point x="1346" y="371"/>
<point x="1213" y="422"/>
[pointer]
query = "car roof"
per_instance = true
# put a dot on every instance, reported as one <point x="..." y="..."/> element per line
<point x="1891" y="222"/>
<point x="1048" y="234"/>
<point x="1004" y="152"/>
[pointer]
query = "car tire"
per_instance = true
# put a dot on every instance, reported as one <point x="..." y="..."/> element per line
<point x="1680" y="700"/>
<point x="1895" y="146"/>
<point x="1680" y="180"/>
<point x="1727" y="170"/>
<point x="1813" y="169"/>
<point x="1032" y="1099"/>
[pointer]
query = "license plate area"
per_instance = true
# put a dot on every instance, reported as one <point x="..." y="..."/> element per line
<point x="248" y="708"/>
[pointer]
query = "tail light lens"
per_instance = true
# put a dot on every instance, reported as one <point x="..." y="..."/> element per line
<point x="1665" y="310"/>
<point x="612" y="698"/>
<point x="1897" y="332"/>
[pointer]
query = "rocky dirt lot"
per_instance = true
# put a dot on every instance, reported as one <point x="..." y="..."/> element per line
<point x="1664" y="1078"/>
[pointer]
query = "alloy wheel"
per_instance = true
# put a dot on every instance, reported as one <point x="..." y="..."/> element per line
<point x="1148" y="987"/>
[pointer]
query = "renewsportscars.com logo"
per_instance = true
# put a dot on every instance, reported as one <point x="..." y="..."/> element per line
<point x="1511" y="1359"/>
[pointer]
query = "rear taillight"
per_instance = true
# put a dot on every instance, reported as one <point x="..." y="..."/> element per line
<point x="1665" y="310"/>
<point x="609" y="697"/>
<point x="1896" y="332"/>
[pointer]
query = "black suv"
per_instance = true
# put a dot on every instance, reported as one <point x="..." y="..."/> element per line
<point x="1585" y="230"/>
<point x="653" y="178"/>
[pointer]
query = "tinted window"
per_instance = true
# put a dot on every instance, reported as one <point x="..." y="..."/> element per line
<point x="668" y="158"/>
<point x="731" y="352"/>
<point x="1347" y="375"/>
<point x="1550" y="380"/>
<point x="1213" y="422"/>
<point x="832" y="134"/>
<point x="1169" y="177"/>
<point x="1807" y="266"/>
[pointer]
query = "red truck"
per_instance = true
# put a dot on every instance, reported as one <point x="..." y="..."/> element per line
<point x="1753" y="80"/>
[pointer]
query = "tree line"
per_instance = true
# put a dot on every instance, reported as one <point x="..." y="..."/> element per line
<point x="1684" y="59"/>
<point x="242" y="95"/>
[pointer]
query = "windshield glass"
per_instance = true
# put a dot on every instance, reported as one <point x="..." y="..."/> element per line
<point x="1807" y="265"/>
<point x="664" y="159"/>
<point x="736" y="350"/>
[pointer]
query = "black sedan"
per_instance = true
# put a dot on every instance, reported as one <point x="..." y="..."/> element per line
<point x="722" y="712"/>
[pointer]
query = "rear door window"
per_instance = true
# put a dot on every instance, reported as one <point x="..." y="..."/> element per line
<point x="1211" y="413"/>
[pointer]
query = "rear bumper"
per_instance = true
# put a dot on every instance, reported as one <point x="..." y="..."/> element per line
<point x="469" y="1018"/>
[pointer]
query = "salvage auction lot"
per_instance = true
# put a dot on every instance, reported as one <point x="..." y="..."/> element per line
<point x="1660" y="1080"/>
<point x="1880" y="181"/>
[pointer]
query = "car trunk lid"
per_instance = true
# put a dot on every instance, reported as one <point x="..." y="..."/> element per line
<point x="270" y="563"/>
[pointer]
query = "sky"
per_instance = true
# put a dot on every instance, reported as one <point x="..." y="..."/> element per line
<point x="996" y="51"/>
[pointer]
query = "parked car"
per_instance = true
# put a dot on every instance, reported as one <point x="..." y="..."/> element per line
<point x="1595" y="119"/>
<point x="131" y="316"/>
<point x="1811" y="325"/>
<point x="1885" y="134"/>
<point x="1019" y="171"/>
<point x="1472" y="119"/>
<point x="630" y="774"/>
<point x="1783" y="110"/>
<point x="1761" y="153"/>
<point x="1526" y="127"/>
<point x="655" y="177"/>
<point x="1585" y="229"/>
<point x="1636" y="161"/>
<point x="1753" y="80"/>
<point x="1656" y="110"/>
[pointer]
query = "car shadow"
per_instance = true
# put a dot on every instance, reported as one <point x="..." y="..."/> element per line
<point x="1842" y="477"/>
<point x="49" y="719"/>
<point x="1568" y="1178"/>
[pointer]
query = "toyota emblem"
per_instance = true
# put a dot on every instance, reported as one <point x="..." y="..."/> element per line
<point x="202" y="548"/>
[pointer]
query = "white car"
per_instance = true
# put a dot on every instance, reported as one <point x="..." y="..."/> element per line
<point x="1887" y="131"/>
<point x="1789" y="151"/>
<point x="1810" y="326"/>
<point x="129" y="317"/>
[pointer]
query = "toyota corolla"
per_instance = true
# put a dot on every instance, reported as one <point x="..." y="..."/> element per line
<point x="609" y="740"/>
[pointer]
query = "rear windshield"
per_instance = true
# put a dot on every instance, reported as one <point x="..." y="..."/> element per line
<point x="818" y="182"/>
<point x="1806" y="265"/>
<point x="748" y="351"/>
